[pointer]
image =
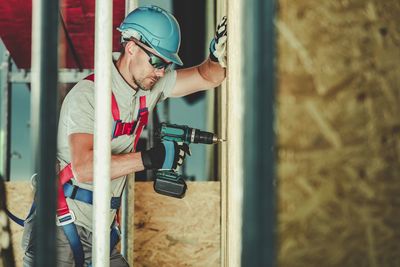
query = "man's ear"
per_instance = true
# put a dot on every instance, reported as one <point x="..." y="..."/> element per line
<point x="130" y="48"/>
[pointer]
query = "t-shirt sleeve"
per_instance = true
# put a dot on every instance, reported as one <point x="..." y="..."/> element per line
<point x="80" y="110"/>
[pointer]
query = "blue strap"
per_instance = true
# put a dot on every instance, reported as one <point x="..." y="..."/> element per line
<point x="86" y="196"/>
<point x="75" y="243"/>
<point x="74" y="240"/>
<point x="169" y="154"/>
<point x="15" y="218"/>
<point x="20" y="221"/>
<point x="114" y="238"/>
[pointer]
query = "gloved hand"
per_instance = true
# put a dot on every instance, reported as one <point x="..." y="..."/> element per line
<point x="166" y="155"/>
<point x="218" y="43"/>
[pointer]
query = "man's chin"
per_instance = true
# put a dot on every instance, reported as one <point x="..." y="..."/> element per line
<point x="146" y="87"/>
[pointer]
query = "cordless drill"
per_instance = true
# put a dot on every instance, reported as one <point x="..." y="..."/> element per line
<point x="169" y="182"/>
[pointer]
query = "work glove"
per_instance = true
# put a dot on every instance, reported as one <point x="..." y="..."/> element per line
<point x="168" y="155"/>
<point x="218" y="43"/>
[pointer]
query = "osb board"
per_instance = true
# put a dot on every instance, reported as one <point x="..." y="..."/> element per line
<point x="168" y="231"/>
<point x="19" y="201"/>
<point x="6" y="249"/>
<point x="338" y="130"/>
<point x="178" y="232"/>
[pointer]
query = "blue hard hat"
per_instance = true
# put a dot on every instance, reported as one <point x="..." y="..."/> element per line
<point x="156" y="28"/>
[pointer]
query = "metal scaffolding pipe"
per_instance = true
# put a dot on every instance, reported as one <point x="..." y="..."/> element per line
<point x="5" y="133"/>
<point x="259" y="156"/>
<point x="124" y="219"/>
<point x="235" y="118"/>
<point x="129" y="6"/>
<point x="44" y="124"/>
<point x="102" y="134"/>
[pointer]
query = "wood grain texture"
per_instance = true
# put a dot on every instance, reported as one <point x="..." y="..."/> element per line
<point x="6" y="246"/>
<point x="167" y="231"/>
<point x="19" y="196"/>
<point x="338" y="129"/>
<point x="178" y="232"/>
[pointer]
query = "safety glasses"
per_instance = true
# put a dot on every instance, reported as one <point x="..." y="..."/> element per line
<point x="156" y="61"/>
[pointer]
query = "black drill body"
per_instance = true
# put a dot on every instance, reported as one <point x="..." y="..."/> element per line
<point x="169" y="182"/>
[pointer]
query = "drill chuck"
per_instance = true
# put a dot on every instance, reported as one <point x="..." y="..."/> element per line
<point x="202" y="137"/>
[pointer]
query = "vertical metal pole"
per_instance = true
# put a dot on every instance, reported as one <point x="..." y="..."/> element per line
<point x="230" y="202"/>
<point x="259" y="156"/>
<point x="210" y="94"/>
<point x="235" y="113"/>
<point x="129" y="6"/>
<point x="150" y="137"/>
<point x="124" y="217"/>
<point x="44" y="124"/>
<point x="5" y="134"/>
<point x="102" y="133"/>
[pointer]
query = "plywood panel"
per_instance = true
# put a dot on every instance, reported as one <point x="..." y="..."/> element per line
<point x="6" y="249"/>
<point x="178" y="232"/>
<point x="338" y="133"/>
<point x="19" y="200"/>
<point x="168" y="231"/>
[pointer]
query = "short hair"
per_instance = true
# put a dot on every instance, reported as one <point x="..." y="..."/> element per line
<point x="122" y="47"/>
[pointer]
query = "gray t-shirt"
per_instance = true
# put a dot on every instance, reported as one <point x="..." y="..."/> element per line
<point x="77" y="116"/>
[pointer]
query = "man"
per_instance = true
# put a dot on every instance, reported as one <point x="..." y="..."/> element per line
<point x="141" y="77"/>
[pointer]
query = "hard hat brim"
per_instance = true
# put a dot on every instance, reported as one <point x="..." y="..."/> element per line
<point x="173" y="57"/>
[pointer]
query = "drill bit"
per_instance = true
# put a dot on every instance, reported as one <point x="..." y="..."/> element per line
<point x="217" y="140"/>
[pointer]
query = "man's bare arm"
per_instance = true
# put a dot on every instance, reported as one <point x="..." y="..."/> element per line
<point x="81" y="146"/>
<point x="207" y="75"/>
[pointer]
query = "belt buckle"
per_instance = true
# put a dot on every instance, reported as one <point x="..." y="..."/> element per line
<point x="65" y="219"/>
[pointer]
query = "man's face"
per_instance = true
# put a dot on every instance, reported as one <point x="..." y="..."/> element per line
<point x="144" y="74"/>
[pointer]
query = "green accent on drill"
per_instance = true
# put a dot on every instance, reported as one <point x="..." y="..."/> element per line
<point x="174" y="132"/>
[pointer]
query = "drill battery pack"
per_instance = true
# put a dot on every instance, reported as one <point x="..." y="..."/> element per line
<point x="170" y="183"/>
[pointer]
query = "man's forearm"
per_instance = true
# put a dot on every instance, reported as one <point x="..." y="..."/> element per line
<point x="124" y="164"/>
<point x="212" y="71"/>
<point x="121" y="165"/>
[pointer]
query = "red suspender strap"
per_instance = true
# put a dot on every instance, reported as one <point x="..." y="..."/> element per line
<point x="127" y="128"/>
<point x="114" y="105"/>
<point x="64" y="176"/>
<point x="90" y="77"/>
<point x="114" y="108"/>
<point x="142" y="120"/>
<point x="142" y="102"/>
